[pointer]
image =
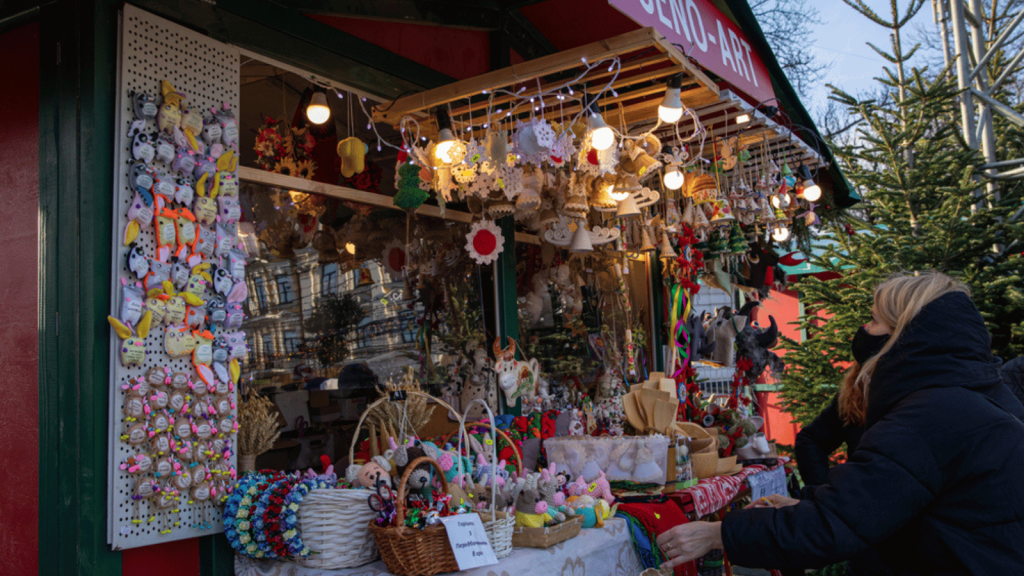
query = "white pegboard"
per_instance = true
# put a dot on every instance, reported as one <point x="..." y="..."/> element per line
<point x="206" y="72"/>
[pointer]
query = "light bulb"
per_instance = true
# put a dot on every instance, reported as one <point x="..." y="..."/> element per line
<point x="780" y="233"/>
<point x="350" y="248"/>
<point x="671" y="108"/>
<point x="601" y="136"/>
<point x="318" y="111"/>
<point x="776" y="201"/>
<point x="443" y="148"/>
<point x="673" y="177"/>
<point x="743" y="118"/>
<point x="445" y="137"/>
<point x="812" y="192"/>
<point x="617" y="196"/>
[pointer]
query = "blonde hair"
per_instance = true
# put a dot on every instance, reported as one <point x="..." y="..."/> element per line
<point x="898" y="300"/>
<point x="853" y="406"/>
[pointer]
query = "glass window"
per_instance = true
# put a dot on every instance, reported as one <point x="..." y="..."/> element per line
<point x="328" y="279"/>
<point x="260" y="290"/>
<point x="285" y="294"/>
<point x="291" y="342"/>
<point x="268" y="346"/>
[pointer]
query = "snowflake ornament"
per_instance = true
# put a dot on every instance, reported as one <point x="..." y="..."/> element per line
<point x="484" y="243"/>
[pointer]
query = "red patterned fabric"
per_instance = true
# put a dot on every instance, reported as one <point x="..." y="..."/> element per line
<point x="713" y="494"/>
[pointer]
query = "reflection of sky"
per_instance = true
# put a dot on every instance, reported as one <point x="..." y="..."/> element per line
<point x="839" y="43"/>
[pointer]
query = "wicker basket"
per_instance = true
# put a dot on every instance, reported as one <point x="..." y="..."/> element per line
<point x="333" y="522"/>
<point x="497" y="524"/>
<point x="549" y="535"/>
<point x="333" y="525"/>
<point x="414" y="551"/>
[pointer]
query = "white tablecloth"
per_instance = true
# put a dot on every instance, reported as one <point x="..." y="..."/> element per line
<point x="595" y="552"/>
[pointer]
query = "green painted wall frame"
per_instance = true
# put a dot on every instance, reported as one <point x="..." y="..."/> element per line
<point x="78" y="54"/>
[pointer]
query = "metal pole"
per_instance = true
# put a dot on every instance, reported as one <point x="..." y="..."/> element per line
<point x="943" y="7"/>
<point x="988" y="134"/>
<point x="962" y="70"/>
<point x="1006" y="73"/>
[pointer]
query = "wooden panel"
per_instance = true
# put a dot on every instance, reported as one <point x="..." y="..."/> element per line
<point x="537" y="68"/>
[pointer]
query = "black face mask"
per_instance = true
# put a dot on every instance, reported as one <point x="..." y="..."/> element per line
<point x="865" y="345"/>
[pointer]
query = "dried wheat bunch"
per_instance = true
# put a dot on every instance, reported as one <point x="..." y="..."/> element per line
<point x="257" y="425"/>
<point x="388" y="419"/>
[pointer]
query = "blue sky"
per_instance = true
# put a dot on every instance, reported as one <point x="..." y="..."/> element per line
<point x="840" y="44"/>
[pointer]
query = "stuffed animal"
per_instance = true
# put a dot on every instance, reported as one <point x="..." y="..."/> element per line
<point x="133" y="342"/>
<point x="531" y="509"/>
<point x="169" y="115"/>
<point x="144" y="105"/>
<point x="599" y="488"/>
<point x="372" y="474"/>
<point x="593" y="510"/>
<point x="419" y="479"/>
<point x="515" y="377"/>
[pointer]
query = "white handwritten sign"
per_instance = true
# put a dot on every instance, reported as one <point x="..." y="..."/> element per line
<point x="469" y="542"/>
<point x="768" y="483"/>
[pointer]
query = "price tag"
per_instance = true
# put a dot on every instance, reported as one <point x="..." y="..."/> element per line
<point x="469" y="541"/>
<point x="768" y="483"/>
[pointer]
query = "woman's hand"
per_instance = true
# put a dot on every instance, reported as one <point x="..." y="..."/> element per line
<point x="689" y="541"/>
<point x="773" y="501"/>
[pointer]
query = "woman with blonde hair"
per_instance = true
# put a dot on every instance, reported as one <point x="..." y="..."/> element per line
<point x="935" y="483"/>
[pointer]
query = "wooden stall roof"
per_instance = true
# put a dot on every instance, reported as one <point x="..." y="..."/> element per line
<point x="647" y="61"/>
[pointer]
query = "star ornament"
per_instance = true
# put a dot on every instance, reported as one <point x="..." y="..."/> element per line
<point x="485" y="242"/>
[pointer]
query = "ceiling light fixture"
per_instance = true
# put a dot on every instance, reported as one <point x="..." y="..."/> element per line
<point x="318" y="111"/>
<point x="601" y="136"/>
<point x="671" y="108"/>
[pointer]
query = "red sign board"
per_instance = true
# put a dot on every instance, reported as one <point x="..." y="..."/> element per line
<point x="708" y="37"/>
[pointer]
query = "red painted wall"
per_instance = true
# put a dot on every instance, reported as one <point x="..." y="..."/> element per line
<point x="785" y="308"/>
<point x="571" y="23"/>
<point x="19" y="332"/>
<point x="456" y="52"/>
<point x="180" y="558"/>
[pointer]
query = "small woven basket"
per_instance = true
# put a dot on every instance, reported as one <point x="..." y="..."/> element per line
<point x="333" y="522"/>
<point x="413" y="551"/>
<point x="547" y="536"/>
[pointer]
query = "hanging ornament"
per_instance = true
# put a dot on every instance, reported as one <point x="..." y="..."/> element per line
<point x="485" y="242"/>
<point x="394" y="258"/>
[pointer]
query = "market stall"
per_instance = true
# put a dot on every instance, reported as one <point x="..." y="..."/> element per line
<point x="460" y="335"/>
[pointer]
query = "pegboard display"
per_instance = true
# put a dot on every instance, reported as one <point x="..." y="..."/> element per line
<point x="192" y="83"/>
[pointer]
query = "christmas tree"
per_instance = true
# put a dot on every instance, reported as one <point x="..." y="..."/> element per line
<point x="925" y="207"/>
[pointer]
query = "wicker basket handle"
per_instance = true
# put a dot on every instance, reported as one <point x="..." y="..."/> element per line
<point x="400" y="497"/>
<point x="501" y="433"/>
<point x="494" y="455"/>
<point x="378" y="402"/>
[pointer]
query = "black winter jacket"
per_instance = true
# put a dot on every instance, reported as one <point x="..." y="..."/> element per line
<point x="1013" y="376"/>
<point x="819" y="439"/>
<point x="936" y="481"/>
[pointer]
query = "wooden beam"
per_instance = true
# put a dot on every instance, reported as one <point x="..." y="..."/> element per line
<point x="361" y="196"/>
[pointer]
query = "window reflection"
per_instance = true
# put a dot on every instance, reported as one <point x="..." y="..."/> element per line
<point x="315" y="306"/>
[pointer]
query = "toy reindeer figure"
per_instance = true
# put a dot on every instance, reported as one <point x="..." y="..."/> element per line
<point x="515" y="377"/>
